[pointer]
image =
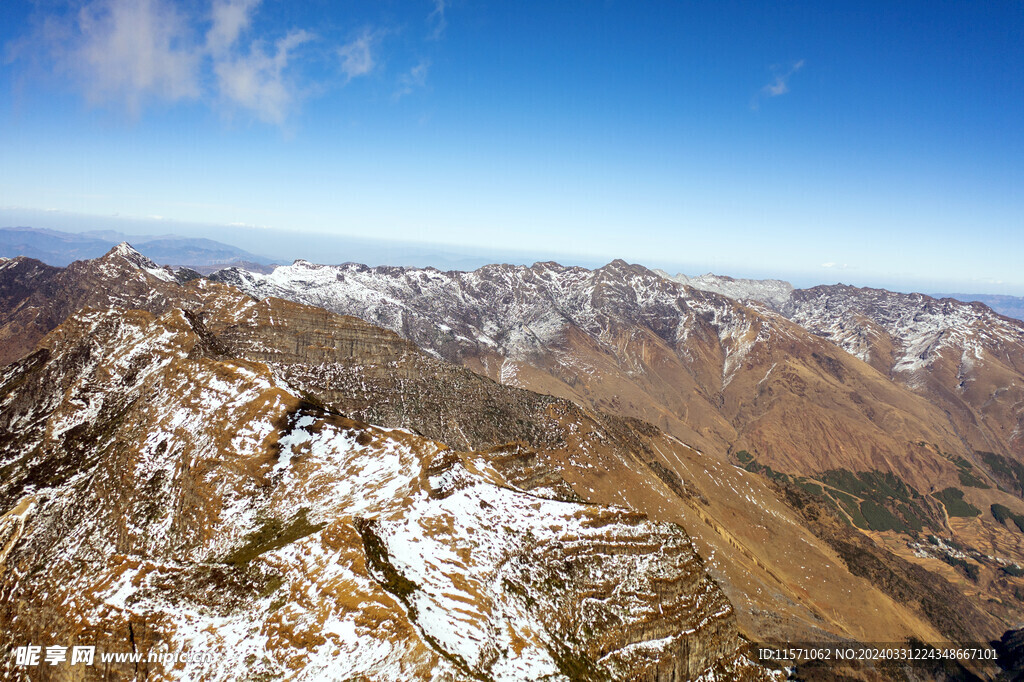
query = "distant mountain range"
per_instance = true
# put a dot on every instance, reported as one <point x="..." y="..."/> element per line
<point x="58" y="248"/>
<point x="206" y="256"/>
<point x="775" y="292"/>
<point x="1011" y="306"/>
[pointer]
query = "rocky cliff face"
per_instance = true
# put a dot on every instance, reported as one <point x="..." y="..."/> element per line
<point x="163" y="494"/>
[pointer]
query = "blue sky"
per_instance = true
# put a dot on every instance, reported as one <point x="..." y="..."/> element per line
<point x="871" y="143"/>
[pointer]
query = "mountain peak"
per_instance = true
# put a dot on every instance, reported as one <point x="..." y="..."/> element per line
<point x="130" y="254"/>
<point x="620" y="266"/>
<point x="126" y="252"/>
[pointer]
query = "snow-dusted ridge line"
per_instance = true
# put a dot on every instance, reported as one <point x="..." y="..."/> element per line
<point x="922" y="327"/>
<point x="515" y="311"/>
<point x="771" y="292"/>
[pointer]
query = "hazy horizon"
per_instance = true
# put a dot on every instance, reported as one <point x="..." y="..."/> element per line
<point x="286" y="246"/>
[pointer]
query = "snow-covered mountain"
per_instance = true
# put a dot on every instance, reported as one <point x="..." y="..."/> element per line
<point x="237" y="521"/>
<point x="513" y="309"/>
<point x="963" y="357"/>
<point x="923" y="328"/>
<point x="772" y="292"/>
<point x="784" y="381"/>
<point x="702" y="365"/>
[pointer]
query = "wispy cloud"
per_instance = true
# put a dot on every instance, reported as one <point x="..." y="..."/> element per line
<point x="835" y="266"/>
<point x="780" y="82"/>
<point x="134" y="54"/>
<point x="257" y="80"/>
<point x="780" y="86"/>
<point x="129" y="51"/>
<point x="357" y="56"/>
<point x="251" y="79"/>
<point x="229" y="19"/>
<point x="437" y="20"/>
<point x="412" y="80"/>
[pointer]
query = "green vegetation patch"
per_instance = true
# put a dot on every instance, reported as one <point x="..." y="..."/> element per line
<point x="851" y="506"/>
<point x="1003" y="514"/>
<point x="968" y="479"/>
<point x="969" y="568"/>
<point x="756" y="467"/>
<point x="879" y="500"/>
<point x="880" y="518"/>
<point x="966" y="473"/>
<point x="1007" y="471"/>
<point x="809" y="486"/>
<point x="273" y="534"/>
<point x="953" y="500"/>
<point x="393" y="581"/>
<point x="873" y="485"/>
<point x="872" y="500"/>
<point x="844" y="480"/>
<point x="912" y="516"/>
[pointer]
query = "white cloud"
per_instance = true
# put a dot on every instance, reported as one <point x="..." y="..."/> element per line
<point x="130" y="50"/>
<point x="413" y="79"/>
<point x="229" y="19"/>
<point x="257" y="81"/>
<point x="780" y="83"/>
<point x="836" y="266"/>
<point x="132" y="54"/>
<point x="357" y="56"/>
